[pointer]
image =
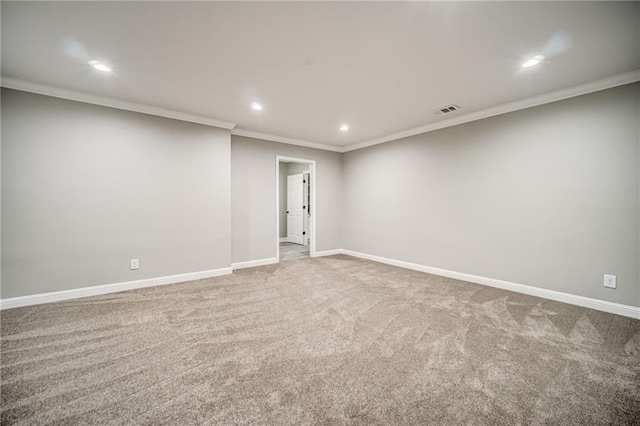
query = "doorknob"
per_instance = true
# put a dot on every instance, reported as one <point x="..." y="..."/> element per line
<point x="287" y="211"/>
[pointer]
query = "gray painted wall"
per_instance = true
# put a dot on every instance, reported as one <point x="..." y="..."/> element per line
<point x="296" y="168"/>
<point x="86" y="188"/>
<point x="253" y="185"/>
<point x="287" y="169"/>
<point x="547" y="197"/>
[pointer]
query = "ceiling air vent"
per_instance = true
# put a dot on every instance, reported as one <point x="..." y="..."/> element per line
<point x="447" y="110"/>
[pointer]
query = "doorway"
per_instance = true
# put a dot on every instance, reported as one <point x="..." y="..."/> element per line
<point x="295" y="208"/>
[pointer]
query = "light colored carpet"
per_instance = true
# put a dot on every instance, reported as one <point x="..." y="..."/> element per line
<point x="333" y="340"/>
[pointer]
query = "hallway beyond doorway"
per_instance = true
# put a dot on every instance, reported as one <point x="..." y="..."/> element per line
<point x="293" y="251"/>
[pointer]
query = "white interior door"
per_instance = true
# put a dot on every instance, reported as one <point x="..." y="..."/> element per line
<point x="295" y="211"/>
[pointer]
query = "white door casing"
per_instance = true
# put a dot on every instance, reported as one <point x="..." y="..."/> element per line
<point x="295" y="212"/>
<point x="280" y="160"/>
<point x="306" y="215"/>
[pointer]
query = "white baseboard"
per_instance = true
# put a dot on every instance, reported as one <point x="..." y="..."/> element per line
<point x="587" y="302"/>
<point x="253" y="263"/>
<point x="56" y="296"/>
<point x="601" y="305"/>
<point x="328" y="252"/>
<point x="284" y="239"/>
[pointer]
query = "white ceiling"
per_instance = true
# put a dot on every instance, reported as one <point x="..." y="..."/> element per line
<point x="380" y="67"/>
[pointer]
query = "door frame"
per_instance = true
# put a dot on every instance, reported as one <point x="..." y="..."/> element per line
<point x="312" y="227"/>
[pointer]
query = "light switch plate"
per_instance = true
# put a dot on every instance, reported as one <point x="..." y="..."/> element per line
<point x="609" y="281"/>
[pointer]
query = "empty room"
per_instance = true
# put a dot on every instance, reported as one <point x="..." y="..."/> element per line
<point x="300" y="213"/>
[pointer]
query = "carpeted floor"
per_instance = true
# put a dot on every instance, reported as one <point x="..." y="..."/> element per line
<point x="333" y="340"/>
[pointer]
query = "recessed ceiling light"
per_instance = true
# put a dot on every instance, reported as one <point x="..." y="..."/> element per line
<point x="344" y="128"/>
<point x="99" y="66"/>
<point x="533" y="61"/>
<point x="256" y="106"/>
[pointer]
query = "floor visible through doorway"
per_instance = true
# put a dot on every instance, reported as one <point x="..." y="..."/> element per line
<point x="293" y="251"/>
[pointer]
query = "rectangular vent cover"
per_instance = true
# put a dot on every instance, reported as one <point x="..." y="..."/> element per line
<point x="447" y="109"/>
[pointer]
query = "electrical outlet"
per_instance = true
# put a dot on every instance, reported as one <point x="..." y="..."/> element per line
<point x="135" y="264"/>
<point x="609" y="281"/>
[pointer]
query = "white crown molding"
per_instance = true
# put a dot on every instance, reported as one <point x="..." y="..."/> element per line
<point x="583" y="89"/>
<point x="290" y="141"/>
<point x="56" y="296"/>
<point x="573" y="299"/>
<point x="27" y="86"/>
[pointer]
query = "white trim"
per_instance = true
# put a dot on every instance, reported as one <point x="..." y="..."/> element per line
<point x="284" y="239"/>
<point x="254" y="263"/>
<point x="587" y="302"/>
<point x="583" y="89"/>
<point x="27" y="86"/>
<point x="281" y="139"/>
<point x="328" y="252"/>
<point x="56" y="296"/>
<point x="312" y="172"/>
